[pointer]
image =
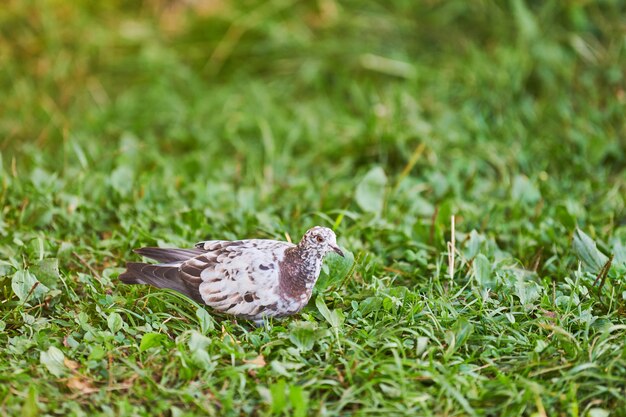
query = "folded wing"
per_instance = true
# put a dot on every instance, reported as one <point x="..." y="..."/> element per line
<point x="238" y="277"/>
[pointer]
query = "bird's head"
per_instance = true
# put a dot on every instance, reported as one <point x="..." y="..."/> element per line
<point x="320" y="239"/>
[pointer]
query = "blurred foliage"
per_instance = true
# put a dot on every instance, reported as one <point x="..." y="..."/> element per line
<point x="129" y="123"/>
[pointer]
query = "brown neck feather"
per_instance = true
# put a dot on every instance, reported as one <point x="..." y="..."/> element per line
<point x="296" y="271"/>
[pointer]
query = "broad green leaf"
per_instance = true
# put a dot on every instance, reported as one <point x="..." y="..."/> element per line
<point x="527" y="292"/>
<point x="422" y="344"/>
<point x="524" y="190"/>
<point x="150" y="340"/>
<point x="473" y="245"/>
<point x="42" y="179"/>
<point x="26" y="286"/>
<point x="334" y="269"/>
<point x="370" y="304"/>
<point x="205" y="319"/>
<point x="30" y="407"/>
<point x="279" y="368"/>
<point x="482" y="272"/>
<point x="115" y="322"/>
<point x="598" y="412"/>
<point x="541" y="345"/>
<point x="97" y="353"/>
<point x="53" y="359"/>
<point x="198" y="342"/>
<point x="303" y="335"/>
<point x="370" y="192"/>
<point x="279" y="399"/>
<point x="198" y="345"/>
<point x="565" y="217"/>
<point x="586" y="250"/>
<point x="322" y="308"/>
<point x="335" y="318"/>
<point x="463" y="329"/>
<point x="299" y="400"/>
<point x="47" y="272"/>
<point x="121" y="180"/>
<point x="6" y="268"/>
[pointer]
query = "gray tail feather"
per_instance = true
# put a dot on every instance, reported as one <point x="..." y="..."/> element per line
<point x="160" y="276"/>
<point x="168" y="255"/>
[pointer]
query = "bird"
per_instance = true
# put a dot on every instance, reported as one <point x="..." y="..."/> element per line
<point x="251" y="279"/>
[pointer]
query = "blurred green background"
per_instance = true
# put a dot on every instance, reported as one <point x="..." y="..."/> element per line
<point x="128" y="123"/>
<point x="299" y="97"/>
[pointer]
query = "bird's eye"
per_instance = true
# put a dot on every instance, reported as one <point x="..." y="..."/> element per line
<point x="319" y="238"/>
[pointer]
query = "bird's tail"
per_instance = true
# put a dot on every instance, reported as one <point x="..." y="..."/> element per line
<point x="160" y="276"/>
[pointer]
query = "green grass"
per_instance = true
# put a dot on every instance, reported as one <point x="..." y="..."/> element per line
<point x="136" y="123"/>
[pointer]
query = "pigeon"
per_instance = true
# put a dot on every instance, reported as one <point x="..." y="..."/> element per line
<point x="250" y="279"/>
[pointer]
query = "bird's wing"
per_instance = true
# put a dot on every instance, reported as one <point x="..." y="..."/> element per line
<point x="238" y="277"/>
<point x="168" y="255"/>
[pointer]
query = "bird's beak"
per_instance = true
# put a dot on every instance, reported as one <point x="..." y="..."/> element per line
<point x="337" y="250"/>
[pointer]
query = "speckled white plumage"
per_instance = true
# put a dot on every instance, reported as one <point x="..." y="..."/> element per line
<point x="250" y="268"/>
<point x="252" y="278"/>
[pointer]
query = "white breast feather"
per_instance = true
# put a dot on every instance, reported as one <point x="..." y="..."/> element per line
<point x="226" y="282"/>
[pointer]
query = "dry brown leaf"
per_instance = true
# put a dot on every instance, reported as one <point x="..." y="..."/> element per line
<point x="81" y="385"/>
<point x="71" y="364"/>
<point x="259" y="361"/>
